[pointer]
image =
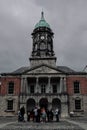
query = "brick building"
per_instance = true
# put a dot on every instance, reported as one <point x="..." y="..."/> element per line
<point x="43" y="83"/>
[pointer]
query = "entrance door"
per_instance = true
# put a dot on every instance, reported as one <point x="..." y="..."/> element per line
<point x="56" y="103"/>
<point x="30" y="104"/>
<point x="43" y="103"/>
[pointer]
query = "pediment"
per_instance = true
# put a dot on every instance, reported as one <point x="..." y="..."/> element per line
<point x="43" y="69"/>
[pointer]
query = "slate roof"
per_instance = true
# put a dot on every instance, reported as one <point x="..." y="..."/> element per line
<point x="59" y="68"/>
<point x="63" y="69"/>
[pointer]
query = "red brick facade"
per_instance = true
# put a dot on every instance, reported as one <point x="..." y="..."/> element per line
<point x="70" y="84"/>
<point x="4" y="84"/>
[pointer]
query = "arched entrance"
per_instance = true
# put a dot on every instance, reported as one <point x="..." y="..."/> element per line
<point x="43" y="103"/>
<point x="30" y="104"/>
<point x="56" y="103"/>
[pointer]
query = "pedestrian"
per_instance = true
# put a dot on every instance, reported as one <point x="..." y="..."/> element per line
<point x="43" y="113"/>
<point x="28" y="116"/>
<point x="57" y="114"/>
<point x="35" y="115"/>
<point x="48" y="112"/>
<point x="22" y="111"/>
<point x="25" y="117"/>
<point x="38" y="114"/>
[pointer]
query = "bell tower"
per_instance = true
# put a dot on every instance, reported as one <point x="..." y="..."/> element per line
<point x="42" y="48"/>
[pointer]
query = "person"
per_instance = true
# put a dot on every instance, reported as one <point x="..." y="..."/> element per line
<point x="43" y="113"/>
<point x="28" y="116"/>
<point x="25" y="117"/>
<point x="20" y="118"/>
<point x="48" y="112"/>
<point x="57" y="114"/>
<point x="19" y="115"/>
<point x="38" y="114"/>
<point x="35" y="115"/>
<point x="22" y="111"/>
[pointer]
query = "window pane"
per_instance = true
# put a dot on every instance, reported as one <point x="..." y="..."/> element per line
<point x="54" y="88"/>
<point x="10" y="105"/>
<point x="77" y="104"/>
<point x="43" y="88"/>
<point x="76" y="87"/>
<point x="11" y="88"/>
<point x="32" y="89"/>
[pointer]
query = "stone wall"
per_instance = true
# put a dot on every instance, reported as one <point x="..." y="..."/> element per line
<point x="3" y="106"/>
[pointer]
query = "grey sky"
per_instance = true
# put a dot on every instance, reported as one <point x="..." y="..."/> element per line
<point x="67" y="18"/>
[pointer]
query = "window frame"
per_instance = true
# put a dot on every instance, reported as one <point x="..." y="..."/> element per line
<point x="76" y="85"/>
<point x="77" y="104"/>
<point x="43" y="88"/>
<point x="32" y="92"/>
<point x="10" y="105"/>
<point x="11" y="87"/>
<point x="54" y="89"/>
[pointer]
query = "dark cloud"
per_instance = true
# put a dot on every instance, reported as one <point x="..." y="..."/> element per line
<point x="67" y="18"/>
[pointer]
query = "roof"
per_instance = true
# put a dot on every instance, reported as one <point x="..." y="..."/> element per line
<point x="42" y="22"/>
<point x="62" y="69"/>
<point x="65" y="69"/>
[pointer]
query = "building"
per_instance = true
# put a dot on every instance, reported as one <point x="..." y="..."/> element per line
<point x="43" y="83"/>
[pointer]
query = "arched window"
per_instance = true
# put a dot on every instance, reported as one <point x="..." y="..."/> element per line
<point x="11" y="88"/>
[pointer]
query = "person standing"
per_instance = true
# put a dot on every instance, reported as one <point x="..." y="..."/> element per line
<point x="22" y="111"/>
<point x="35" y="115"/>
<point x="43" y="113"/>
<point x="57" y="114"/>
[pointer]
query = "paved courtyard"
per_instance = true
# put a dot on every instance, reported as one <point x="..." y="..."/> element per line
<point x="64" y="124"/>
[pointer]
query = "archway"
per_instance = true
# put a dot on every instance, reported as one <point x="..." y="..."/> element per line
<point x="43" y="103"/>
<point x="30" y="104"/>
<point x="56" y="103"/>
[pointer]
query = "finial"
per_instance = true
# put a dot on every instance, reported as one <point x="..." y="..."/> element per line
<point x="42" y="15"/>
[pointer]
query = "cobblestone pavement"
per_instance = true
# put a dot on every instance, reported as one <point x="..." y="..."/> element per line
<point x="64" y="124"/>
<point x="81" y="121"/>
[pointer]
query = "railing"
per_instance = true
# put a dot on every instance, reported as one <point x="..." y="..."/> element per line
<point x="43" y="94"/>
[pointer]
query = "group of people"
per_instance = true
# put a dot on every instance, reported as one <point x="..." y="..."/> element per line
<point x="38" y="115"/>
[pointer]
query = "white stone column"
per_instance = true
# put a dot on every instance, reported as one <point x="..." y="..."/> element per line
<point x="37" y="85"/>
<point x="64" y="106"/>
<point x="25" y="85"/>
<point x="64" y="84"/>
<point x="61" y="84"/>
<point x="49" y="85"/>
<point x="22" y="85"/>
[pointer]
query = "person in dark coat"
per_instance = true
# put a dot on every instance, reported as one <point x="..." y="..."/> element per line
<point x="22" y="111"/>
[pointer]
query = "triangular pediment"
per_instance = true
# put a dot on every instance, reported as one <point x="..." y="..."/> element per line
<point x="43" y="69"/>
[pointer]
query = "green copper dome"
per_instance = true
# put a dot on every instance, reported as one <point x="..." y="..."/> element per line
<point x="42" y="22"/>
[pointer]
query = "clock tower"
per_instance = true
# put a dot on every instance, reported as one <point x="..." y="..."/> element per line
<point x="42" y="48"/>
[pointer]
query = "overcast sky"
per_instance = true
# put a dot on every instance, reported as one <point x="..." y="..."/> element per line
<point x="67" y="18"/>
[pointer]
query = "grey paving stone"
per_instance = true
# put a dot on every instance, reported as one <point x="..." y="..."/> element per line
<point x="63" y="125"/>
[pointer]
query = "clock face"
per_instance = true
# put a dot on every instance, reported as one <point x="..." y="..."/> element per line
<point x="42" y="46"/>
<point x="42" y="37"/>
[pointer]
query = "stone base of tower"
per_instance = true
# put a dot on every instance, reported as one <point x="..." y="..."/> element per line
<point x="38" y="60"/>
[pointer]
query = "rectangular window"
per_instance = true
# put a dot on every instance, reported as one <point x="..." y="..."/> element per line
<point x="76" y="87"/>
<point x="32" y="89"/>
<point x="77" y="104"/>
<point x="10" y="105"/>
<point x="43" y="88"/>
<point x="11" y="88"/>
<point x="54" y="88"/>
